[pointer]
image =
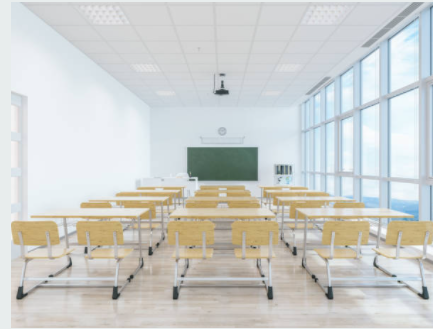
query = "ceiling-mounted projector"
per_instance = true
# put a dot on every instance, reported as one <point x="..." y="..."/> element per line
<point x="222" y="91"/>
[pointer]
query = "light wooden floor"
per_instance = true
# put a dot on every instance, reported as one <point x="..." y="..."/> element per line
<point x="147" y="301"/>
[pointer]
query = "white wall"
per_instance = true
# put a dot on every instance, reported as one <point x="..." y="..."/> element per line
<point x="88" y="136"/>
<point x="275" y="131"/>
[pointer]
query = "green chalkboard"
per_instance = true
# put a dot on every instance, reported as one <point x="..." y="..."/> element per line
<point x="223" y="163"/>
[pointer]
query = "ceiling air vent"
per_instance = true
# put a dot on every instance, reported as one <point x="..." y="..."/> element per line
<point x="409" y="10"/>
<point x="321" y="82"/>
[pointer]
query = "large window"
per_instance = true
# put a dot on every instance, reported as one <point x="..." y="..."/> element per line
<point x="330" y="188"/>
<point x="347" y="144"/>
<point x="330" y="153"/>
<point x="347" y="91"/>
<point x="307" y="150"/>
<point x="16" y="157"/>
<point x="405" y="198"/>
<point x="347" y="187"/>
<point x="317" y="182"/>
<point x="317" y="140"/>
<point x="370" y="77"/>
<point x="403" y="127"/>
<point x="307" y="114"/>
<point x="370" y="193"/>
<point x="370" y="141"/>
<point x="404" y="57"/>
<point x="330" y="101"/>
<point x="317" y="118"/>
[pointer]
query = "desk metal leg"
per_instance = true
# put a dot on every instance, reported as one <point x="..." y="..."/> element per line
<point x="65" y="230"/>
<point x="150" y="233"/>
<point x="261" y="198"/>
<point x="162" y="220"/>
<point x="304" y="256"/>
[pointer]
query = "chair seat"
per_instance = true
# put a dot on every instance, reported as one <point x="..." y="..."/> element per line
<point x="102" y="253"/>
<point x="196" y="253"/>
<point x="300" y="226"/>
<point x="43" y="254"/>
<point x="338" y="253"/>
<point x="254" y="253"/>
<point x="391" y="253"/>
<point x="146" y="226"/>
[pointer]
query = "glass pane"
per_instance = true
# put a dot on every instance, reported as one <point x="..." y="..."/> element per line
<point x="347" y="187"/>
<point x="370" y="193"/>
<point x="330" y="101"/>
<point x="404" y="197"/>
<point x="15" y="154"/>
<point x="304" y="124"/>
<point x="330" y="153"/>
<point x="307" y="114"/>
<point x="347" y="91"/>
<point x="317" y="140"/>
<point x="403" y="126"/>
<point x="317" y="182"/>
<point x="15" y="190"/>
<point x="310" y="182"/>
<point x="15" y="119"/>
<point x="330" y="188"/>
<point x="370" y="77"/>
<point x="317" y="109"/>
<point x="307" y="180"/>
<point x="15" y="216"/>
<point x="307" y="150"/>
<point x="347" y="144"/>
<point x="370" y="141"/>
<point x="404" y="57"/>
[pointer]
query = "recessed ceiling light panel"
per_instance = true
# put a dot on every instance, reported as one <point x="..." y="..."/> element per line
<point x="104" y="14"/>
<point x="165" y="93"/>
<point x="146" y="68"/>
<point x="288" y="67"/>
<point x="325" y="14"/>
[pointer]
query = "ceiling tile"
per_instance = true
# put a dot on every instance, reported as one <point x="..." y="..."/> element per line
<point x="128" y="47"/>
<point x="106" y="58"/>
<point x="156" y="33"/>
<point x="174" y="67"/>
<point x="201" y="58"/>
<point x="210" y="68"/>
<point x="232" y="58"/>
<point x="274" y="33"/>
<point x="58" y="14"/>
<point x="138" y="58"/>
<point x="169" y="58"/>
<point x="338" y="47"/>
<point x="302" y="47"/>
<point x="281" y="14"/>
<point x="117" y="33"/>
<point x="318" y="67"/>
<point x="261" y="67"/>
<point x="75" y="33"/>
<point x="351" y="33"/>
<point x="147" y="14"/>
<point x="117" y="67"/>
<point x="229" y="69"/>
<point x="177" y="75"/>
<point x="92" y="47"/>
<point x="235" y="33"/>
<point x="198" y="47"/>
<point x="377" y="14"/>
<point x="264" y="58"/>
<point x="164" y="47"/>
<point x="196" y="33"/>
<point x="192" y="14"/>
<point x="231" y="47"/>
<point x="313" y="33"/>
<point x="327" y="58"/>
<point x="236" y="15"/>
<point x="272" y="47"/>
<point x="296" y="58"/>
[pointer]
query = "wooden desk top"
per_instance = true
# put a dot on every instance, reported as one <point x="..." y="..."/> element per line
<point x="131" y="198"/>
<point x="223" y="199"/>
<point x="95" y="213"/>
<point x="167" y="187"/>
<point x="350" y="213"/>
<point x="151" y="192"/>
<point x="278" y="187"/>
<point x="314" y="198"/>
<point x="220" y="186"/>
<point x="291" y="192"/>
<point x="213" y="213"/>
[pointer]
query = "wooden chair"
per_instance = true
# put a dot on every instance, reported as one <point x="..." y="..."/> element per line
<point x="95" y="205"/>
<point x="38" y="233"/>
<point x="104" y="234"/>
<point x="207" y="193"/>
<point x="259" y="234"/>
<point x="150" y="225"/>
<point x="295" y="225"/>
<point x="201" y="204"/>
<point x="343" y="234"/>
<point x="237" y="188"/>
<point x="238" y="193"/>
<point x="240" y="204"/>
<point x="189" y="234"/>
<point x="406" y="233"/>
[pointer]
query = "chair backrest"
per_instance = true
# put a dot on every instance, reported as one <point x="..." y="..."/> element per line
<point x="209" y="187"/>
<point x="231" y="188"/>
<point x="256" y="233"/>
<point x="238" y="193"/>
<point x="317" y="194"/>
<point x="304" y="204"/>
<point x="413" y="233"/>
<point x="349" y="205"/>
<point x="240" y="204"/>
<point x="208" y="193"/>
<point x="95" y="205"/>
<point x="100" y="233"/>
<point x="346" y="233"/>
<point x="201" y="204"/>
<point x="298" y="188"/>
<point x="34" y="233"/>
<point x="190" y="233"/>
<point x="149" y="205"/>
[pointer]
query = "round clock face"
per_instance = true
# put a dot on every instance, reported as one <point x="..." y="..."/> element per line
<point x="222" y="131"/>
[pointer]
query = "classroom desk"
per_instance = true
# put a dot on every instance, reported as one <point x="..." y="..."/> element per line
<point x="263" y="188"/>
<point x="346" y="213"/>
<point x="180" y="188"/>
<point x="99" y="213"/>
<point x="223" y="199"/>
<point x="173" y="193"/>
<point x="221" y="187"/>
<point x="155" y="199"/>
<point x="270" y="193"/>
<point x="225" y="213"/>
